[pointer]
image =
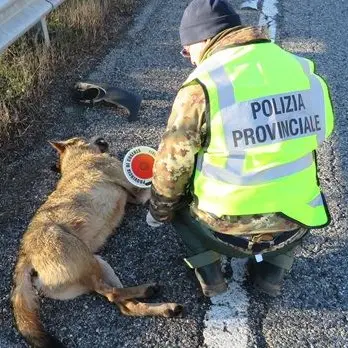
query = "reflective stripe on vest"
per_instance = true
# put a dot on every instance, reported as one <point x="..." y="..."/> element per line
<point x="262" y="143"/>
<point x="317" y="201"/>
<point x="233" y="172"/>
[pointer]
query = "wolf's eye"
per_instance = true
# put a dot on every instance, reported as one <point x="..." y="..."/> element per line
<point x="102" y="144"/>
<point x="100" y="141"/>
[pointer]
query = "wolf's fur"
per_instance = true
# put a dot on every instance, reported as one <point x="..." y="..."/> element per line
<point x="57" y="253"/>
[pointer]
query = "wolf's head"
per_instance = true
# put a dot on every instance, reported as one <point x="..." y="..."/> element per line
<point x="75" y="148"/>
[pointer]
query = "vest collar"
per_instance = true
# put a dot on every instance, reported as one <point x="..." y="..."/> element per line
<point x="234" y="37"/>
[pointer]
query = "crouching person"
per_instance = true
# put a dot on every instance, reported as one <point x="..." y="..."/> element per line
<point x="235" y="171"/>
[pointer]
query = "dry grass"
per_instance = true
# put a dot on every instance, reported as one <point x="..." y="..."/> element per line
<point x="24" y="71"/>
<point x="27" y="67"/>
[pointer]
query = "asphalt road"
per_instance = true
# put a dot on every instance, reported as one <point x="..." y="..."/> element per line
<point x="312" y="311"/>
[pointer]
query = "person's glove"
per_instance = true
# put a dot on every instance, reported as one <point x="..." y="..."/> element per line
<point x="151" y="221"/>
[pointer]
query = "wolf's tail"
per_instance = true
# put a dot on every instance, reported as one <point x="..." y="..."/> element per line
<point x="26" y="309"/>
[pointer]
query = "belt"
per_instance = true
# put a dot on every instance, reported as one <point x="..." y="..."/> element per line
<point x="259" y="246"/>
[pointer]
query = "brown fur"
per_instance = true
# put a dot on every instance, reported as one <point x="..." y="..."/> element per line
<point x="57" y="253"/>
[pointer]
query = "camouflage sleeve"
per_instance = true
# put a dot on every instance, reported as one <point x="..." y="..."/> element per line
<point x="175" y="158"/>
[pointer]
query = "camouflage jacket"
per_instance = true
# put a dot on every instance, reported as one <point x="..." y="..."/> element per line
<point x="184" y="136"/>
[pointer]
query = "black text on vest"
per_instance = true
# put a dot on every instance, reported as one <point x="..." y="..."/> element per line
<point x="275" y="119"/>
<point x="277" y="105"/>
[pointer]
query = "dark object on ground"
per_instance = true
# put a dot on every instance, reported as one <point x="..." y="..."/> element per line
<point x="266" y="277"/>
<point x="92" y="93"/>
<point x="211" y="279"/>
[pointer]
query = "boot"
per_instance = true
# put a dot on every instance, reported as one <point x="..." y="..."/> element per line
<point x="92" y="93"/>
<point x="266" y="277"/>
<point x="211" y="279"/>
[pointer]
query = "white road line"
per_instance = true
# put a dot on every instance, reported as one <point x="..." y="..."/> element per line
<point x="249" y="4"/>
<point x="226" y="322"/>
<point x="268" y="17"/>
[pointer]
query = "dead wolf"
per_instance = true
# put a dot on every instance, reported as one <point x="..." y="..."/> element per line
<point x="57" y="253"/>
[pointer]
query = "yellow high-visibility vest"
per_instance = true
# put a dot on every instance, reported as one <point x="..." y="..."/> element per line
<point x="266" y="113"/>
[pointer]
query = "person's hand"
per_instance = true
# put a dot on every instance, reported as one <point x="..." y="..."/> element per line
<point x="151" y="221"/>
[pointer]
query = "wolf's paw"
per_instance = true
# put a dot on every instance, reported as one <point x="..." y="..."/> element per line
<point x="153" y="290"/>
<point x="174" y="310"/>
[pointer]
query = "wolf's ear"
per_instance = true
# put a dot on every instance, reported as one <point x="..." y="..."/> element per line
<point x="58" y="145"/>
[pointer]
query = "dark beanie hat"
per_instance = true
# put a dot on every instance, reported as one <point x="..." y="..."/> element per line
<point x="204" y="19"/>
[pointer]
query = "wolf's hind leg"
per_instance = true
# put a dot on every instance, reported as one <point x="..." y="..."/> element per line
<point x="108" y="273"/>
<point x="135" y="308"/>
<point x="124" y="298"/>
<point x="119" y="294"/>
<point x="112" y="288"/>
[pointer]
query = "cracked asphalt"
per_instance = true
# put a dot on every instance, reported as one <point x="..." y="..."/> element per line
<point x="312" y="310"/>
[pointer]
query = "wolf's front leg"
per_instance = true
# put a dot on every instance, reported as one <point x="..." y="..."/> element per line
<point x="139" y="196"/>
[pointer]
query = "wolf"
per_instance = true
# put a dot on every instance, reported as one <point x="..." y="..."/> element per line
<point x="57" y="256"/>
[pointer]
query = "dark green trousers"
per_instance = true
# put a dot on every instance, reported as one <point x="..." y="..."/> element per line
<point x="204" y="248"/>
